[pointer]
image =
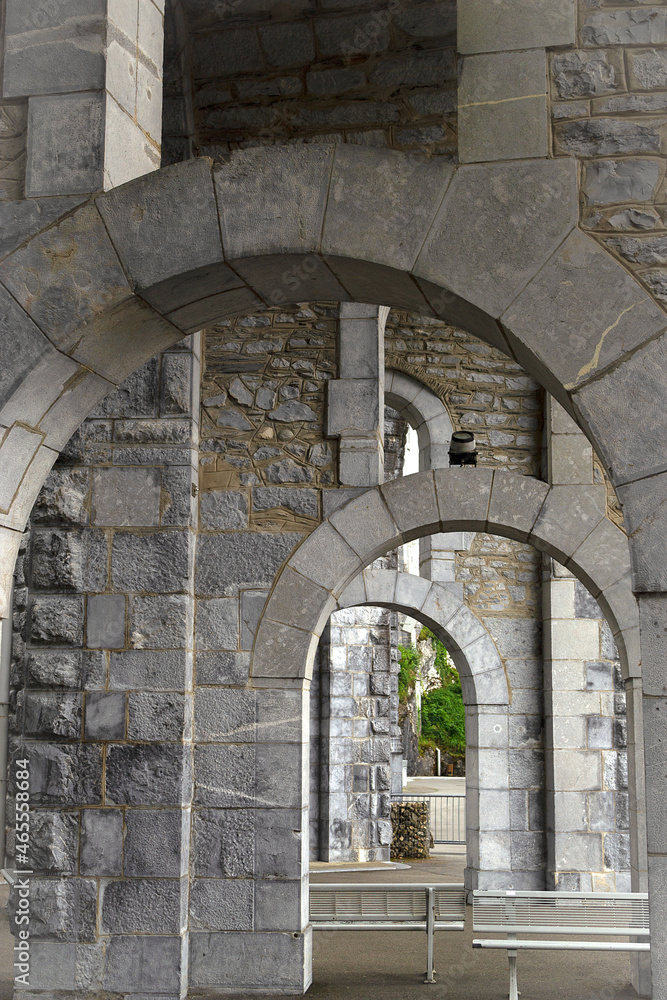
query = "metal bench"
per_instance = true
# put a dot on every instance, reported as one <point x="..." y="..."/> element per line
<point x="576" y="914"/>
<point x="392" y="906"/>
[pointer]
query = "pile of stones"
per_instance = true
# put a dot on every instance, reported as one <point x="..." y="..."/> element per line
<point x="410" y="823"/>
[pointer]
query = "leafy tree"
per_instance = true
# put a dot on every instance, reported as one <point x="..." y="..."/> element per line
<point x="410" y="659"/>
<point x="443" y="720"/>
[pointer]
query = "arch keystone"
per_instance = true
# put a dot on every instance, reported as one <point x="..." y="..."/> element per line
<point x="463" y="498"/>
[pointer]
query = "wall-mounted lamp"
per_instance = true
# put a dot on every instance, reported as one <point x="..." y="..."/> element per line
<point x="463" y="449"/>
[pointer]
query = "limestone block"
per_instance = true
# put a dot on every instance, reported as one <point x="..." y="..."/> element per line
<point x="253" y="216"/>
<point x="59" y="304"/>
<point x="642" y="506"/>
<point x="367" y="526"/>
<point x="515" y="504"/>
<point x="390" y="226"/>
<point x="226" y="563"/>
<point x="224" y="716"/>
<point x="220" y="960"/>
<point x="493" y="27"/>
<point x="41" y="386"/>
<point x="565" y="732"/>
<point x="353" y="407"/>
<point x="156" y="842"/>
<point x="65" y="965"/>
<point x="101" y="842"/>
<point x="134" y="906"/>
<point x="411" y="591"/>
<point x="146" y="669"/>
<point x="58" y="560"/>
<point x="603" y="558"/>
<point x="578" y="851"/>
<point x="576" y="770"/>
<point x="281" y="851"/>
<point x="281" y="904"/>
<point x="64" y="909"/>
<point x="65" y="775"/>
<point x="412" y="504"/>
<point x="526" y="769"/>
<point x="655" y="746"/>
<point x="281" y="714"/>
<point x="65" y="144"/>
<point x="105" y="621"/>
<point x="223" y="843"/>
<point x="148" y="222"/>
<point x="156" y="562"/>
<point x="282" y="775"/>
<point x="57" y="620"/>
<point x="503" y="106"/>
<point x="150" y="774"/>
<point x="54" y="842"/>
<point x="568" y="516"/>
<point x="440" y="606"/>
<point x="71" y="408"/>
<point x="463" y="498"/>
<point x="625" y="27"/>
<point x="217" y="624"/>
<point x="224" y="509"/>
<point x="140" y="962"/>
<point x="298" y="601"/>
<point x="355" y="592"/>
<point x="571" y="460"/>
<point x="654" y="644"/>
<point x="50" y="714"/>
<point x="105" y="715"/>
<point x="541" y="199"/>
<point x="159" y="717"/>
<point x="16" y="452"/>
<point x="574" y="640"/>
<point x="327" y="559"/>
<point x="22" y="345"/>
<point x="221" y="904"/>
<point x="224" y="776"/>
<point x="283" y="651"/>
<point x="560" y="597"/>
<point x="495" y="851"/>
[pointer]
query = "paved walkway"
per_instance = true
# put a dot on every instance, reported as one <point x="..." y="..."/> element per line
<point x="390" y="965"/>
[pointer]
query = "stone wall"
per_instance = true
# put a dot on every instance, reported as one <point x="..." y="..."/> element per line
<point x="609" y="107"/>
<point x="381" y="74"/>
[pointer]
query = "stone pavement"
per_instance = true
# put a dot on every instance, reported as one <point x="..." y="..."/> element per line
<point x="389" y="965"/>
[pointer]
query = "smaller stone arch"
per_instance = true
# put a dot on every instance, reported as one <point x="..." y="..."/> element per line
<point x="425" y="412"/>
<point x="483" y="678"/>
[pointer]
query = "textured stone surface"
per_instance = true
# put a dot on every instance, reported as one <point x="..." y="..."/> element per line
<point x="147" y="775"/>
<point x="101" y="842"/>
<point x="226" y="562"/>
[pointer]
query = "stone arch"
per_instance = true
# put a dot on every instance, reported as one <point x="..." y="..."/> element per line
<point x="483" y="679"/>
<point x="565" y="522"/>
<point x="86" y="300"/>
<point x="486" y="694"/>
<point x="425" y="412"/>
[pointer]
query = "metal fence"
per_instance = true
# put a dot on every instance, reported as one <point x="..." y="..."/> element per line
<point x="448" y="816"/>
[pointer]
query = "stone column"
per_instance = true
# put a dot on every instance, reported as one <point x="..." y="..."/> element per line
<point x="103" y="682"/>
<point x="92" y="77"/>
<point x="356" y="397"/>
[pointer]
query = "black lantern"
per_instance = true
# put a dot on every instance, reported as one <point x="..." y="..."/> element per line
<point x="463" y="449"/>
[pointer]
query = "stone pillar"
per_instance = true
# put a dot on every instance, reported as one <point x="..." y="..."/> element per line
<point x="92" y="77"/>
<point x="103" y="683"/>
<point x="489" y="848"/>
<point x="355" y="776"/>
<point x="356" y="397"/>
<point x="586" y="760"/>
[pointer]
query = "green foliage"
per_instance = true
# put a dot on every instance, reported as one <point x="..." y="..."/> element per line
<point x="448" y="672"/>
<point x="443" y="720"/>
<point x="410" y="659"/>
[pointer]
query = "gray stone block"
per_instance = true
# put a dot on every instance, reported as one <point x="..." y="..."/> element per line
<point x="65" y="775"/>
<point x="148" y="670"/>
<point x="126" y="496"/>
<point x="220" y="960"/>
<point x="625" y="27"/>
<point x="65" y="144"/>
<point x="224" y="843"/>
<point x="156" y="716"/>
<point x="156" y="842"/>
<point x="585" y="605"/>
<point x="552" y="185"/>
<point x="609" y="181"/>
<point x="222" y="668"/>
<point x="54" y="842"/>
<point x="501" y="117"/>
<point x="224" y="509"/>
<point x="587" y="74"/>
<point x="224" y="776"/>
<point x="57" y="620"/>
<point x="601" y="811"/>
<point x="280" y="905"/>
<point x="217" y="624"/>
<point x="105" y="716"/>
<point x="221" y="904"/>
<point x="227" y="562"/>
<point x="598" y="676"/>
<point x="224" y="715"/>
<point x="625" y="311"/>
<point x="161" y="622"/>
<point x="51" y="714"/>
<point x="617" y="851"/>
<point x="135" y="906"/>
<point x="252" y="605"/>
<point x="105" y="621"/>
<point x="281" y="851"/>
<point x="62" y="498"/>
<point x="101" y="842"/>
<point x="300" y="501"/>
<point x="152" y="963"/>
<point x="155" y="563"/>
<point x="148" y="774"/>
<point x="170" y="201"/>
<point x="486" y="27"/>
<point x="608" y="136"/>
<point x="62" y="909"/>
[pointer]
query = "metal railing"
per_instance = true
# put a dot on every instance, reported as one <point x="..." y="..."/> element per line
<point x="448" y="816"/>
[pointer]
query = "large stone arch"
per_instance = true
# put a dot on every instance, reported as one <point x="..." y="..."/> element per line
<point x="491" y="247"/>
<point x="425" y="412"/>
<point x="565" y="522"/>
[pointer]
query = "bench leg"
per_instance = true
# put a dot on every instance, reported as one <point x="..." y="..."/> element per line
<point x="514" y="990"/>
<point x="430" y="934"/>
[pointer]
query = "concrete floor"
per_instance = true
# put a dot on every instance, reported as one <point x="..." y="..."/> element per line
<point x="390" y="965"/>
